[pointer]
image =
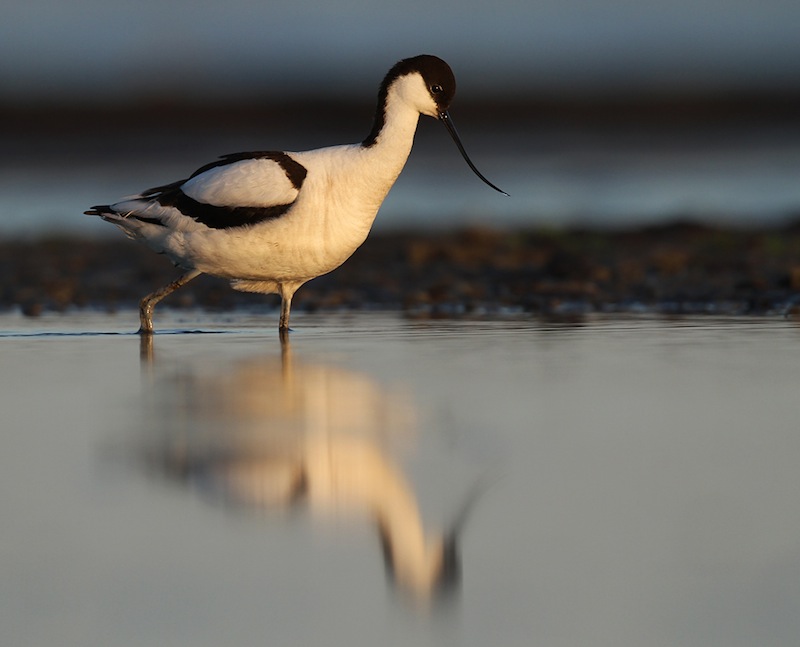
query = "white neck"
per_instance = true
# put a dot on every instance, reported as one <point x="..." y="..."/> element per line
<point x="369" y="169"/>
<point x="392" y="145"/>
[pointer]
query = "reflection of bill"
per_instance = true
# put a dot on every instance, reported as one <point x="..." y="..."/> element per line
<point x="274" y="434"/>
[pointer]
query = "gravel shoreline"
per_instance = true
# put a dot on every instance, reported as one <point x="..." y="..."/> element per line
<point x="676" y="268"/>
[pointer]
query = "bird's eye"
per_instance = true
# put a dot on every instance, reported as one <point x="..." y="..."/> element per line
<point x="436" y="89"/>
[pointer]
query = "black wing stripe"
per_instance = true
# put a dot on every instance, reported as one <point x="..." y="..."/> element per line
<point x="219" y="217"/>
<point x="152" y="221"/>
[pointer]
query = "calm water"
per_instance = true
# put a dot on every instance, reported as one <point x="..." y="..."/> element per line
<point x="613" y="482"/>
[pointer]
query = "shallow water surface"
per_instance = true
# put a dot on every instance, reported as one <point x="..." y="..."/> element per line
<point x="614" y="481"/>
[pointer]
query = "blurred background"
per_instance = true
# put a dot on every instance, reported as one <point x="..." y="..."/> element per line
<point x="623" y="509"/>
<point x="588" y="112"/>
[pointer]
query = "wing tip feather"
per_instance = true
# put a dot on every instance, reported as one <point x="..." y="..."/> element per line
<point x="99" y="210"/>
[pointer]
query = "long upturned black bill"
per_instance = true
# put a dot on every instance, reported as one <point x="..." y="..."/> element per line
<point x="444" y="117"/>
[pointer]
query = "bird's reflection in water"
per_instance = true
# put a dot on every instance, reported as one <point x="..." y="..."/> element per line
<point x="274" y="433"/>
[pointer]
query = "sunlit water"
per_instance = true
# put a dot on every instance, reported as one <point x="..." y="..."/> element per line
<point x="611" y="482"/>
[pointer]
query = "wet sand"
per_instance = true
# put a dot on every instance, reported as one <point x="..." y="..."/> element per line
<point x="677" y="268"/>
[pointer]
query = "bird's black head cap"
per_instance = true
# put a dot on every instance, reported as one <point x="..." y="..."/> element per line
<point x="438" y="77"/>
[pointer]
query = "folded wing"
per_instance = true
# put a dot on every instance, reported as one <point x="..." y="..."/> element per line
<point x="237" y="190"/>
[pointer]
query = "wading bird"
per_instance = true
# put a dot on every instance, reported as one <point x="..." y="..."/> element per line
<point x="268" y="221"/>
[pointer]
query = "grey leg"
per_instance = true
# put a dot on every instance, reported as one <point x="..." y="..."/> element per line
<point x="147" y="304"/>
<point x="286" y="306"/>
<point x="286" y="290"/>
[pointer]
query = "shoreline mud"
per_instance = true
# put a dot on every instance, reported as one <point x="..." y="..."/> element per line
<point x="680" y="268"/>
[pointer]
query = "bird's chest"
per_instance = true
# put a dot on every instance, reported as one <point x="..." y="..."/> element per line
<point x="330" y="219"/>
<point x="333" y="218"/>
<point x="324" y="237"/>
